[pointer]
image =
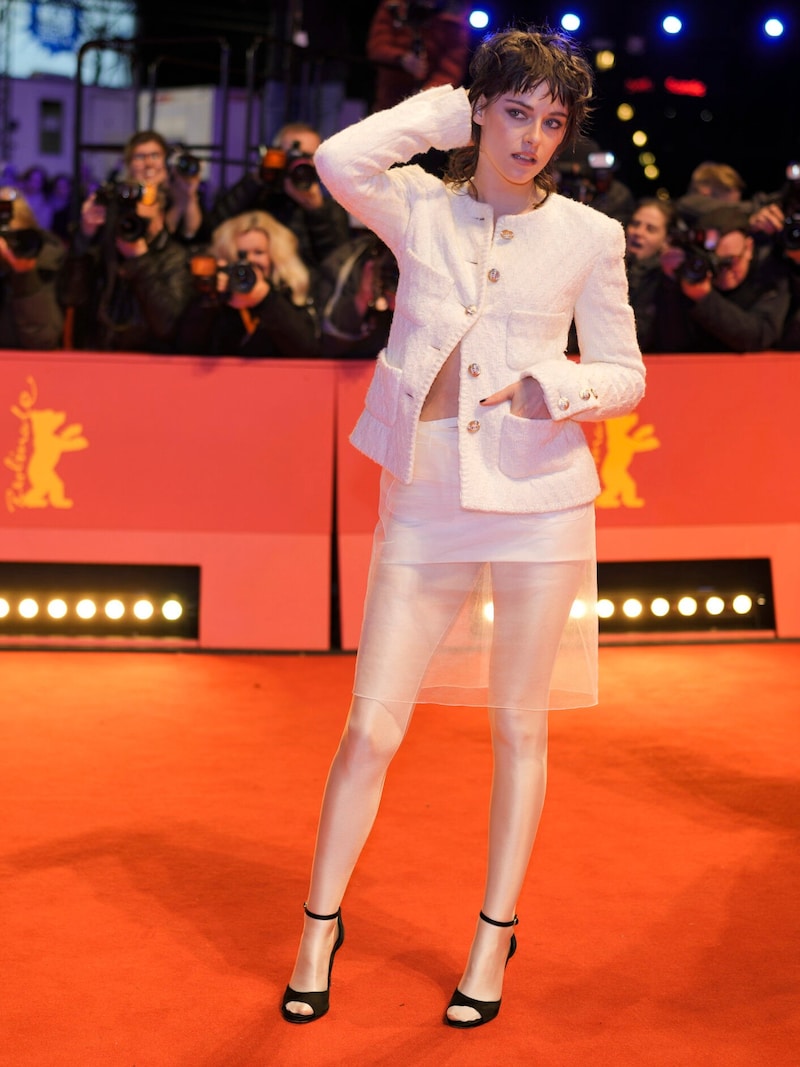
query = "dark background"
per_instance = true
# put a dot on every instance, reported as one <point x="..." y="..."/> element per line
<point x="748" y="117"/>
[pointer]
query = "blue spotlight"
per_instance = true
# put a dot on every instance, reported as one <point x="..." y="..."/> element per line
<point x="671" y="25"/>
<point x="479" y="19"/>
<point x="570" y="22"/>
<point x="774" y="27"/>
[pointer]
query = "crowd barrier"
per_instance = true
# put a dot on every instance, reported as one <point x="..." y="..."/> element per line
<point x="243" y="469"/>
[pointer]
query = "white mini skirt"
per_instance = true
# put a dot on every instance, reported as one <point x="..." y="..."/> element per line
<point x="476" y="608"/>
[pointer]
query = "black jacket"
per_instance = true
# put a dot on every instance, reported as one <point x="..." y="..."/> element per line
<point x="30" y="315"/>
<point x="280" y="329"/>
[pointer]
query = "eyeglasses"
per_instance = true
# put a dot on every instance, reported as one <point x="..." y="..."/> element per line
<point x="143" y="157"/>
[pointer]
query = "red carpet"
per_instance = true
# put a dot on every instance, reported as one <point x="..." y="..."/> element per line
<point x="159" y="813"/>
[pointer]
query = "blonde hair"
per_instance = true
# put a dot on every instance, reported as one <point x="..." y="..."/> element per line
<point x="719" y="178"/>
<point x="23" y="217"/>
<point x="287" y="267"/>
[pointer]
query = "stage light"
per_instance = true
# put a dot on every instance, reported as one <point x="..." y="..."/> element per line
<point x="742" y="603"/>
<point x="5" y="608"/>
<point x="625" y="112"/>
<point x="639" y="138"/>
<point x="715" y="605"/>
<point x="605" y="608"/>
<point x="651" y="172"/>
<point x="57" y="608"/>
<point x="632" y="608"/>
<point x="570" y="22"/>
<point x="687" y="605"/>
<point x="86" y="609"/>
<point x="659" y="606"/>
<point x="773" y="27"/>
<point x="143" y="610"/>
<point x="114" y="609"/>
<point x="605" y="59"/>
<point x="578" y="609"/>
<point x="479" y="19"/>
<point x="646" y="158"/>
<point x="171" y="610"/>
<point x="28" y="608"/>
<point x="671" y="25"/>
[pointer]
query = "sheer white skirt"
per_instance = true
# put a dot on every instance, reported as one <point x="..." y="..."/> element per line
<point x="476" y="608"/>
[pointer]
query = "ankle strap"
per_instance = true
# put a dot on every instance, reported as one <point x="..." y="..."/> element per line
<point x="312" y="915"/>
<point x="494" y="922"/>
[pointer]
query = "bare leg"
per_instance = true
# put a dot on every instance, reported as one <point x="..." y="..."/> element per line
<point x="371" y="737"/>
<point x="519" y="740"/>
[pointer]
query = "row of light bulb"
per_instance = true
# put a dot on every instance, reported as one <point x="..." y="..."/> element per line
<point x="634" y="608"/>
<point x="87" y="609"/>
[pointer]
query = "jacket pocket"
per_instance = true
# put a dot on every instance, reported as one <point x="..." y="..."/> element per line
<point x="532" y="336"/>
<point x="384" y="391"/>
<point x="533" y="447"/>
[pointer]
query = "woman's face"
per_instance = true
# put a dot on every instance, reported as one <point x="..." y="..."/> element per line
<point x="520" y="132"/>
<point x="646" y="233"/>
<point x="255" y="246"/>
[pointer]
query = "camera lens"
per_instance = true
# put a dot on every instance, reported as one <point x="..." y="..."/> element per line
<point x="242" y="278"/>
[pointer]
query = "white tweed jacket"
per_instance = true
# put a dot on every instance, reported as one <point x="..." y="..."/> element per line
<point x="505" y="290"/>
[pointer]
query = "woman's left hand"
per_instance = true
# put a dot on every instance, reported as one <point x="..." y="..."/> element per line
<point x="526" y="396"/>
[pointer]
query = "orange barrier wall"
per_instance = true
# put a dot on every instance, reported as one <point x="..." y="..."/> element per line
<point x="222" y="464"/>
<point x="705" y="469"/>
<point x="229" y="465"/>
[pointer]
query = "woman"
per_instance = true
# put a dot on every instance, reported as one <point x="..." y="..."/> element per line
<point x="483" y="572"/>
<point x="646" y="237"/>
<point x="254" y="294"/>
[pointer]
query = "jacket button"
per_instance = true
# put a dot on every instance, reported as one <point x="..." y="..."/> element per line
<point x="494" y="275"/>
<point x="506" y="234"/>
<point x="474" y="426"/>
<point x="470" y="309"/>
<point x="563" y="403"/>
<point x="586" y="394"/>
<point x="474" y="370"/>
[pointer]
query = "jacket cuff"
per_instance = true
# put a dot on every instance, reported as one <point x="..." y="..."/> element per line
<point x="567" y="393"/>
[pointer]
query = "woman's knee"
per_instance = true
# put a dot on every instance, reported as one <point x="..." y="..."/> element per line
<point x="373" y="734"/>
<point x="521" y="733"/>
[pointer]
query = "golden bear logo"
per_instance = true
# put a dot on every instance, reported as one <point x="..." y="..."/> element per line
<point x="622" y="443"/>
<point x="43" y="438"/>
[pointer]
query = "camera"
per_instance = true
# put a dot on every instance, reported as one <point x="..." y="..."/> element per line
<point x="242" y="278"/>
<point x="25" y="243"/>
<point x="186" y="165"/>
<point x="698" y="246"/>
<point x="294" y="164"/>
<point x="790" y="235"/>
<point x="129" y="225"/>
<point x="582" y="181"/>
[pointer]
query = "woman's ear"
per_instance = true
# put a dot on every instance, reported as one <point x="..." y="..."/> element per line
<point x="478" y="110"/>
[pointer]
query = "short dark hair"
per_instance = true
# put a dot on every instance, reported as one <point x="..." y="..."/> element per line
<point x="144" y="137"/>
<point x="517" y="61"/>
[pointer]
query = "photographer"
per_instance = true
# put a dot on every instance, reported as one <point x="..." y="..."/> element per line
<point x="587" y="174"/>
<point x="252" y="294"/>
<point x="778" y="223"/>
<point x="356" y="298"/>
<point x="126" y="278"/>
<point x="718" y="295"/>
<point x="646" y="238"/>
<point x="286" y="186"/>
<point x="416" y="45"/>
<point x="30" y="259"/>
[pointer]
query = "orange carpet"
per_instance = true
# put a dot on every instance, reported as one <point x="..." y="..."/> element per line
<point x="157" y="822"/>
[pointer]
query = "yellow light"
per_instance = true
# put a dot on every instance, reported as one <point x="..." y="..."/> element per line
<point x="646" y="158"/>
<point x="652" y="172"/>
<point x="639" y="138"/>
<point x="86" y="609"/>
<point x="605" y="609"/>
<point x="143" y="609"/>
<point x="57" y="608"/>
<point x="28" y="608"/>
<point x="632" y="608"/>
<point x="488" y="611"/>
<point x="625" y="112"/>
<point x="715" y="605"/>
<point x="605" y="59"/>
<point x="115" y="609"/>
<point x="5" y="607"/>
<point x="172" y="610"/>
<point x="687" y="605"/>
<point x="742" y="604"/>
<point x="660" y="607"/>
<point x="578" y="609"/>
